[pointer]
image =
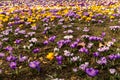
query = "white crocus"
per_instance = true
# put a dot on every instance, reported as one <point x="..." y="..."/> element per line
<point x="68" y="37"/>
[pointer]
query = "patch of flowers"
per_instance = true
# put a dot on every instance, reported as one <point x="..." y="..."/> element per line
<point x="77" y="37"/>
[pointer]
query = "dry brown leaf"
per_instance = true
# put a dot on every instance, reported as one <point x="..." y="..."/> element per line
<point x="81" y="44"/>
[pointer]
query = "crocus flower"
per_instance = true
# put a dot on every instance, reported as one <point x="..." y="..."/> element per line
<point x="11" y="58"/>
<point x="83" y="50"/>
<point x="70" y="31"/>
<point x="118" y="56"/>
<point x="33" y="40"/>
<point x="104" y="48"/>
<point x="8" y="48"/>
<point x="45" y="42"/>
<point x="17" y="29"/>
<point x="22" y="58"/>
<point x="96" y="54"/>
<point x="91" y="72"/>
<point x="13" y="65"/>
<point x="95" y="38"/>
<point x="68" y="37"/>
<point x="86" y="29"/>
<point x="5" y="39"/>
<point x="56" y="49"/>
<point x="34" y="28"/>
<point x="112" y="71"/>
<point x="102" y="61"/>
<point x="35" y="65"/>
<point x="31" y="33"/>
<point x="84" y="66"/>
<point x="22" y="31"/>
<point x="112" y="56"/>
<point x="60" y="43"/>
<point x="17" y="41"/>
<point x="75" y="58"/>
<point x="59" y="59"/>
<point x="103" y="34"/>
<point x="67" y="53"/>
<point x="52" y="38"/>
<point x="90" y="45"/>
<point x="73" y="45"/>
<point x="6" y="32"/>
<point x="75" y="69"/>
<point x="50" y="56"/>
<point x="36" y="50"/>
<point x="114" y="27"/>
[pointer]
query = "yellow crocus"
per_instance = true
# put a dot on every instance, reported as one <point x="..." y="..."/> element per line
<point x="50" y="56"/>
<point x="88" y="18"/>
<point x="112" y="17"/>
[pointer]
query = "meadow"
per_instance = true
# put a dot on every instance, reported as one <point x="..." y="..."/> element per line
<point x="61" y="41"/>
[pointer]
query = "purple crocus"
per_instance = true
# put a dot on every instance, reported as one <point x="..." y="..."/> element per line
<point x="5" y="39"/>
<point x="22" y="58"/>
<point x="112" y="56"/>
<point x="95" y="38"/>
<point x="36" y="50"/>
<point x="35" y="65"/>
<point x="96" y="54"/>
<point x="59" y="59"/>
<point x="83" y="50"/>
<point x="60" y="43"/>
<point x="67" y="41"/>
<point x="45" y="42"/>
<point x="34" y="27"/>
<point x="17" y="29"/>
<point x="11" y="58"/>
<point x="70" y="31"/>
<point x="18" y="41"/>
<point x="103" y="34"/>
<point x="52" y="38"/>
<point x="86" y="29"/>
<point x="84" y="66"/>
<point x="22" y="32"/>
<point x="91" y="72"/>
<point x="8" y="48"/>
<point x="45" y="20"/>
<point x="118" y="56"/>
<point x="13" y="65"/>
<point x="73" y="45"/>
<point x="86" y="13"/>
<point x="102" y="61"/>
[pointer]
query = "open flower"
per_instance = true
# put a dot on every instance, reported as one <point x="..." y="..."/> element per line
<point x="13" y="65"/>
<point x="35" y="65"/>
<point x="91" y="72"/>
<point x="22" y="58"/>
<point x="50" y="56"/>
<point x="102" y="61"/>
<point x="11" y="58"/>
<point x="84" y="66"/>
<point x="112" y="71"/>
<point x="33" y="40"/>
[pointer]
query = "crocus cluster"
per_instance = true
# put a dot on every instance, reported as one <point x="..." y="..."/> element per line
<point x="49" y="35"/>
